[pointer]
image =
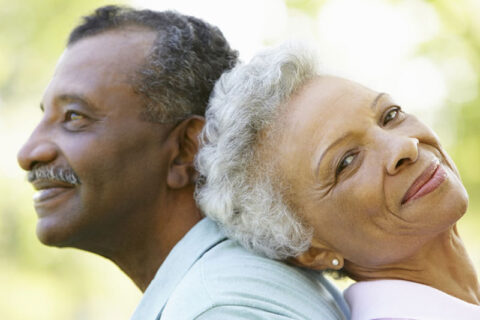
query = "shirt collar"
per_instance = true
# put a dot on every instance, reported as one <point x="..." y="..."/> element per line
<point x="406" y="300"/>
<point x="201" y="238"/>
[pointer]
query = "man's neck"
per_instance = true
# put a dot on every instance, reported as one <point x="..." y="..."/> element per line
<point x="142" y="262"/>
<point x="442" y="264"/>
<point x="140" y="246"/>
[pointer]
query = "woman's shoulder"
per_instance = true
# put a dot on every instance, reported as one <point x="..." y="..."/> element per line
<point x="400" y="299"/>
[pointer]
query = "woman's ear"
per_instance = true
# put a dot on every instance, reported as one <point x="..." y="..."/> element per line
<point x="319" y="257"/>
<point x="181" y="171"/>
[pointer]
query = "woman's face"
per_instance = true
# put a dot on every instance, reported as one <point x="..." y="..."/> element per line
<point x="371" y="179"/>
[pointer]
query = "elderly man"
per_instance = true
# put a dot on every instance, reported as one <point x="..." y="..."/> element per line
<point x="111" y="161"/>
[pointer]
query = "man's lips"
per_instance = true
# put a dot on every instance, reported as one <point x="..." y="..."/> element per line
<point x="49" y="189"/>
<point x="428" y="181"/>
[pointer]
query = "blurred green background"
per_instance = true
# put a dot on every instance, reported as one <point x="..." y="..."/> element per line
<point x="427" y="53"/>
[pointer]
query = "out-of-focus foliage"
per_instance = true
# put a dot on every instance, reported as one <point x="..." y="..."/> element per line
<point x="32" y="35"/>
<point x="308" y="6"/>
<point x="460" y="41"/>
<point x="39" y="283"/>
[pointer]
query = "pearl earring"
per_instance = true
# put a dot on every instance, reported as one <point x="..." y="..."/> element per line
<point x="335" y="262"/>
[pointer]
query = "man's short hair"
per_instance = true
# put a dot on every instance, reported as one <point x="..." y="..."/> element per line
<point x="186" y="58"/>
<point x="237" y="188"/>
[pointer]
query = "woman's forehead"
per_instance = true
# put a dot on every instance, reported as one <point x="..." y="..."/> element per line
<point x="323" y="103"/>
<point x="321" y="112"/>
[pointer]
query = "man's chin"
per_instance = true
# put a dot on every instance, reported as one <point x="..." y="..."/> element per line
<point x="51" y="235"/>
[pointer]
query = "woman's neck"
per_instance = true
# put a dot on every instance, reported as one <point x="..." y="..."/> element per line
<point x="443" y="264"/>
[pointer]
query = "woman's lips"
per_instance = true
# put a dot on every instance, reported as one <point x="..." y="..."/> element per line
<point x="428" y="181"/>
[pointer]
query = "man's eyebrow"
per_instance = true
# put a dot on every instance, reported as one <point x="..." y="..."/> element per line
<point x="374" y="103"/>
<point x="69" y="98"/>
<point x="331" y="146"/>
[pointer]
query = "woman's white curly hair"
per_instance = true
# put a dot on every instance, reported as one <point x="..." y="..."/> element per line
<point x="235" y="187"/>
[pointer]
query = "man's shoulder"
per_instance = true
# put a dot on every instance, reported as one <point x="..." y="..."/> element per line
<point x="231" y="279"/>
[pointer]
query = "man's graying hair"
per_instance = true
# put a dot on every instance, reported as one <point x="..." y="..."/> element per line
<point x="186" y="58"/>
<point x="236" y="188"/>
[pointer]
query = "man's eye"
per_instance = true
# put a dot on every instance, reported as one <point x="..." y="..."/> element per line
<point x="391" y="115"/>
<point x="346" y="161"/>
<point x="72" y="115"/>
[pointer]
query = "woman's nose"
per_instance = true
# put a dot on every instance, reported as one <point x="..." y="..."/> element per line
<point x="401" y="151"/>
<point x="37" y="149"/>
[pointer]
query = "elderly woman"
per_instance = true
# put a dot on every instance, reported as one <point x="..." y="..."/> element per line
<point x="334" y="176"/>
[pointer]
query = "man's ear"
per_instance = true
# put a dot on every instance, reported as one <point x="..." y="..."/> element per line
<point x="181" y="171"/>
<point x="319" y="257"/>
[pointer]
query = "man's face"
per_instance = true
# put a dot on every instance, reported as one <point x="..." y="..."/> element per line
<point x="372" y="180"/>
<point x="91" y="124"/>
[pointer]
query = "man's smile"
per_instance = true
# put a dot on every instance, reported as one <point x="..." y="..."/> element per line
<point x="49" y="191"/>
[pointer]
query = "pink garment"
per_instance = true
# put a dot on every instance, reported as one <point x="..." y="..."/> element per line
<point x="405" y="300"/>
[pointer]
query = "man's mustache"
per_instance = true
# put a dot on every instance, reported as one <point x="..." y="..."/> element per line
<point x="53" y="173"/>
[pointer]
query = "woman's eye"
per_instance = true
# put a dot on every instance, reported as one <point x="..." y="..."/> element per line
<point x="391" y="115"/>
<point x="345" y="162"/>
<point x="72" y="115"/>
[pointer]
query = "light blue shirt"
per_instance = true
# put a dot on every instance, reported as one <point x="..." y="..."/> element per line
<point x="208" y="276"/>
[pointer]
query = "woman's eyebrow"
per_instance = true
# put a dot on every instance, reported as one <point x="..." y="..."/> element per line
<point x="331" y="146"/>
<point x="375" y="101"/>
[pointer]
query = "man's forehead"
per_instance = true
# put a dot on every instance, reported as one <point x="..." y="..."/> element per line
<point x="122" y="49"/>
<point x="129" y="33"/>
<point x="100" y="65"/>
<point x="107" y="58"/>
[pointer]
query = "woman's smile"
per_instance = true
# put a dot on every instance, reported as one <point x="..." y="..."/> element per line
<point x="428" y="181"/>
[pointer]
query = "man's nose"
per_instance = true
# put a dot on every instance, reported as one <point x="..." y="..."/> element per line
<point x="401" y="151"/>
<point x="37" y="149"/>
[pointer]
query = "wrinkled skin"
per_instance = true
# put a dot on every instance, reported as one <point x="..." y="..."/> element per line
<point x="349" y="179"/>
